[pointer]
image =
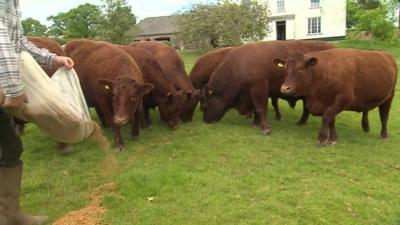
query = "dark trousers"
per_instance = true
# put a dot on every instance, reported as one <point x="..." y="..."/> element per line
<point x="10" y="143"/>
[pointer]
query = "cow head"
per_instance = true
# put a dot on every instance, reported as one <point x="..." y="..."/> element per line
<point x="212" y="104"/>
<point x="170" y="106"/>
<point x="192" y="98"/>
<point x="127" y="97"/>
<point x="298" y="68"/>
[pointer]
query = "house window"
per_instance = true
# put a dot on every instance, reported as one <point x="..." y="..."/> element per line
<point x="314" y="25"/>
<point x="314" y="3"/>
<point x="281" y="5"/>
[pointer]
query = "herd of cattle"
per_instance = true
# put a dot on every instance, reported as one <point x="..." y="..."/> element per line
<point x="123" y="83"/>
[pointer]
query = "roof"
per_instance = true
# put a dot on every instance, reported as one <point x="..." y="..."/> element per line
<point x="157" y="25"/>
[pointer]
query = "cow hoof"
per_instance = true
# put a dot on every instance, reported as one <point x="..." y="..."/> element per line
<point x="324" y="143"/>
<point x="301" y="123"/>
<point x="65" y="149"/>
<point x="332" y="143"/>
<point x="278" y="118"/>
<point x="266" y="131"/>
<point x="119" y="146"/>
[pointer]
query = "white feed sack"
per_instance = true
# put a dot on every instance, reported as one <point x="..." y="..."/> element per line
<point x="56" y="104"/>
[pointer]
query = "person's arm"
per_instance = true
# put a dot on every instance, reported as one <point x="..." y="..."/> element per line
<point x="41" y="55"/>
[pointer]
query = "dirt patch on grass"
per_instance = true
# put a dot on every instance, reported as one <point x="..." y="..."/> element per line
<point x="91" y="214"/>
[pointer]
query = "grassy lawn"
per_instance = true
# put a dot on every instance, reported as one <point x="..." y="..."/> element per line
<point x="227" y="173"/>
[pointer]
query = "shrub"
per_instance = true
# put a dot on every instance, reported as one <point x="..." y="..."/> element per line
<point x="374" y="21"/>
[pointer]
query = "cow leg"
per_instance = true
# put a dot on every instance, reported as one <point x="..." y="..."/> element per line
<point x="384" y="115"/>
<point x="135" y="125"/>
<point x="117" y="137"/>
<point x="259" y="96"/>
<point x="339" y="104"/>
<point x="364" y="121"/>
<point x="332" y="134"/>
<point x="101" y="117"/>
<point x="147" y="118"/>
<point x="256" y="120"/>
<point x="304" y="117"/>
<point x="108" y="117"/>
<point x="275" y="104"/>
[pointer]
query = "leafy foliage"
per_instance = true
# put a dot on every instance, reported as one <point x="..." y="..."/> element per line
<point x="80" y="22"/>
<point x="33" y="27"/>
<point x="118" y="25"/>
<point x="369" y="4"/>
<point x="374" y="21"/>
<point x="223" y="24"/>
<point x="374" y="16"/>
<point x="353" y="9"/>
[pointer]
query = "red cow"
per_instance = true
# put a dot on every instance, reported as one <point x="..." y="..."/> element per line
<point x="174" y="68"/>
<point x="111" y="82"/>
<point x="341" y="79"/>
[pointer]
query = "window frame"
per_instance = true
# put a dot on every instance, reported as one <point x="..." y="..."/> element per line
<point x="278" y="8"/>
<point x="314" y="4"/>
<point x="314" y="25"/>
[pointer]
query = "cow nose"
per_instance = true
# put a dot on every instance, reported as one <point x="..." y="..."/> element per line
<point x="285" y="88"/>
<point x="120" y="121"/>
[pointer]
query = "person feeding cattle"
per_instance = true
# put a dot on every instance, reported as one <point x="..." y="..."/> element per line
<point x="12" y="42"/>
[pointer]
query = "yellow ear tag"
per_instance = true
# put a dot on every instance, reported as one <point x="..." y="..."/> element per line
<point x="107" y="87"/>
<point x="210" y="92"/>
<point x="280" y="65"/>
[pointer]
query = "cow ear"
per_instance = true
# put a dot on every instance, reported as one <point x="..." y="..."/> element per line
<point x="312" y="61"/>
<point x="106" y="84"/>
<point x="197" y="92"/>
<point x="208" y="91"/>
<point x="146" y="88"/>
<point x="279" y="63"/>
<point x="169" y="96"/>
<point x="188" y="95"/>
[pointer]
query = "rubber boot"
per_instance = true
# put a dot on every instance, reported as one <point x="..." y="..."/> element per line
<point x="10" y="187"/>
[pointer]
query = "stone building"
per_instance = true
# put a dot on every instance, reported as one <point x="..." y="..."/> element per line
<point x="160" y="28"/>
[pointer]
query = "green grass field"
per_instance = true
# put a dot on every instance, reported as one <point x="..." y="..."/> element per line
<point x="227" y="173"/>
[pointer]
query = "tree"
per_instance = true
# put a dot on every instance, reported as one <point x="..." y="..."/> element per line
<point x="223" y="24"/>
<point x="33" y="27"/>
<point x="353" y="8"/>
<point x="394" y="10"/>
<point x="119" y="23"/>
<point x="80" y="22"/>
<point x="369" y="4"/>
<point x="376" y="22"/>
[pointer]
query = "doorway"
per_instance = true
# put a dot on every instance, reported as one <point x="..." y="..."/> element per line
<point x="280" y="30"/>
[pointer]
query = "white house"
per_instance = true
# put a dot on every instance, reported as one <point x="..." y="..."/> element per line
<point x="307" y="19"/>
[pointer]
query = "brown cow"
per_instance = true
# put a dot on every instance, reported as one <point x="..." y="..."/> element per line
<point x="341" y="79"/>
<point x="174" y="68"/>
<point x="206" y="65"/>
<point x="245" y="72"/>
<point x="164" y="95"/>
<point x="111" y="82"/>
<point x="52" y="46"/>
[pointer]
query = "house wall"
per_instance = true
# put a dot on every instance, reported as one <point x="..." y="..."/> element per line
<point x="297" y="12"/>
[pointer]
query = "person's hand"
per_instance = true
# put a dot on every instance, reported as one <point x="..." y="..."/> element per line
<point x="64" y="61"/>
<point x="14" y="102"/>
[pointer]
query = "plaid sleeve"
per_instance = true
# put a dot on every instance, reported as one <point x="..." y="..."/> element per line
<point x="10" y="79"/>
<point x="41" y="55"/>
